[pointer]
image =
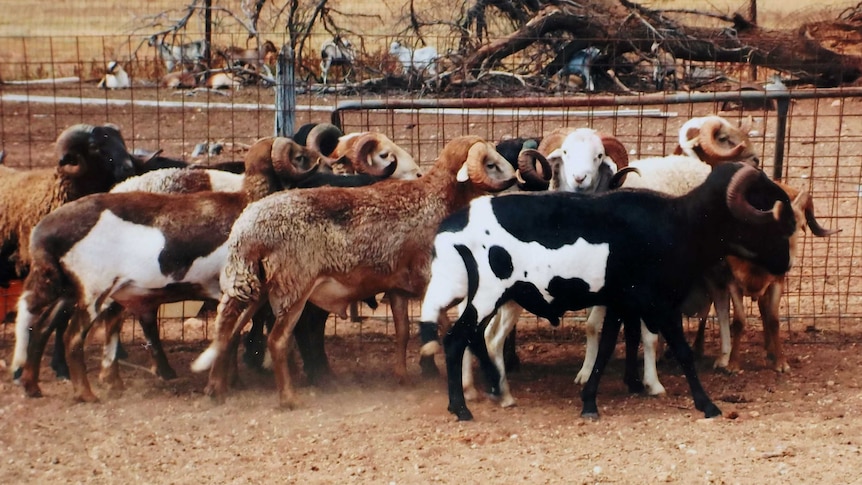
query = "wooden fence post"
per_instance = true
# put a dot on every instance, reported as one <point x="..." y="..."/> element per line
<point x="285" y="93"/>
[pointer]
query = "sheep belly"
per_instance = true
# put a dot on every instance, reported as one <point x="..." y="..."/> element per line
<point x="121" y="259"/>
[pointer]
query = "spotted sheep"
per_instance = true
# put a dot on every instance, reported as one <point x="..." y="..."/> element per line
<point x="636" y="252"/>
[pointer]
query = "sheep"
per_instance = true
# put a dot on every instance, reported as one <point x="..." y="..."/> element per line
<point x="180" y="80"/>
<point x="610" y="251"/>
<point x="663" y="67"/>
<point x="91" y="159"/>
<point x="190" y="56"/>
<point x="372" y="151"/>
<point x="333" y="246"/>
<point x="162" y="248"/>
<point x="422" y="61"/>
<point x="581" y="65"/>
<point x="256" y="59"/>
<point x="740" y="278"/>
<point x="182" y="180"/>
<point x="115" y="77"/>
<point x="336" y="52"/>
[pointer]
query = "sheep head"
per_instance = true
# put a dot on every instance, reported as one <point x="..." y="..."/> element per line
<point x="715" y="140"/>
<point x="475" y="161"/>
<point x="94" y="156"/>
<point x="323" y="137"/>
<point x="580" y="157"/>
<point x="373" y="153"/>
<point x="273" y="164"/>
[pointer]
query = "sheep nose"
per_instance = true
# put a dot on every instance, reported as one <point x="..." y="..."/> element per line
<point x="580" y="179"/>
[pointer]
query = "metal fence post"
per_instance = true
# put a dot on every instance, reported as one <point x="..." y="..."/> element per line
<point x="782" y="108"/>
<point x="285" y="93"/>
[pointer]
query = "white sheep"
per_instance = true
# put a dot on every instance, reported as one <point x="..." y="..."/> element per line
<point x="336" y="52"/>
<point x="334" y="246"/>
<point x="115" y="77"/>
<point x="422" y="61"/>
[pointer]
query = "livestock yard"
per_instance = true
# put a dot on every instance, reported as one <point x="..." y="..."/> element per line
<point x="803" y="425"/>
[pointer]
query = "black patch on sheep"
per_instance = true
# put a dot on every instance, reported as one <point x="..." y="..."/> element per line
<point x="518" y="222"/>
<point x="455" y="222"/>
<point x="472" y="269"/>
<point x="501" y="262"/>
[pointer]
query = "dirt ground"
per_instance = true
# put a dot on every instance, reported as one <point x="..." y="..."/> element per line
<point x="800" y="427"/>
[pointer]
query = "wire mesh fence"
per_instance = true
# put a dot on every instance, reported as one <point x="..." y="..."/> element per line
<point x="53" y="82"/>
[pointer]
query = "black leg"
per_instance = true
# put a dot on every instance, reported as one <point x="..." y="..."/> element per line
<point x="309" y="332"/>
<point x="454" y="344"/>
<point x="58" y="356"/>
<point x="607" y="342"/>
<point x="671" y="329"/>
<point x="632" y="327"/>
<point x="150" y="326"/>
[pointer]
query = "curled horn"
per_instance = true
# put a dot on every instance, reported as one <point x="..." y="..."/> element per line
<point x="709" y="143"/>
<point x="282" y="159"/>
<point x="741" y="208"/>
<point x="323" y="138"/>
<point x="476" y="156"/>
<point x="615" y="149"/>
<point x="620" y="177"/>
<point x="531" y="177"/>
<point x="363" y="149"/>
<point x="807" y="204"/>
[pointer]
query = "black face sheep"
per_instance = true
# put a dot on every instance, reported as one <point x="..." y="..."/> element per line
<point x="90" y="159"/>
<point x="108" y="252"/>
<point x="636" y="252"/>
<point x="332" y="246"/>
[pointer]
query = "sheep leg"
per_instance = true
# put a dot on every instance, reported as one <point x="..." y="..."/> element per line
<point x="510" y="354"/>
<point x="632" y="332"/>
<point x="35" y="331"/>
<point x="75" y="337"/>
<point x="278" y="343"/>
<point x="398" y="304"/>
<point x="699" y="338"/>
<point x="768" y="305"/>
<point x="721" y="300"/>
<point x="593" y="325"/>
<point x="735" y="329"/>
<point x="497" y="333"/>
<point x="607" y="342"/>
<point x="454" y="344"/>
<point x="110" y="374"/>
<point x="255" y="340"/>
<point x="150" y="326"/>
<point x="58" y="355"/>
<point x="309" y="334"/>
<point x="233" y="314"/>
<point x="670" y="325"/>
<point x="650" y="381"/>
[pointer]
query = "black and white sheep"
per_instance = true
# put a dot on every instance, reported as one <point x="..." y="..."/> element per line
<point x="637" y="252"/>
<point x="336" y="52"/>
<point x="94" y="257"/>
<point x="422" y="61"/>
<point x="334" y="246"/>
<point x="115" y="77"/>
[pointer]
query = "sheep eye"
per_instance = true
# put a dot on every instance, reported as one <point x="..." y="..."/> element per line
<point x="384" y="155"/>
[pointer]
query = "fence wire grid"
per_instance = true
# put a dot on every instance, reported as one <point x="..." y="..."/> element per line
<point x="52" y="83"/>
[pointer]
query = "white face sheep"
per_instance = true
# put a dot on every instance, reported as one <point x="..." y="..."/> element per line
<point x="162" y="248"/>
<point x="190" y="56"/>
<point x="334" y="246"/>
<point x="115" y="77"/>
<point x="336" y="52"/>
<point x="422" y="61"/>
<point x="609" y="250"/>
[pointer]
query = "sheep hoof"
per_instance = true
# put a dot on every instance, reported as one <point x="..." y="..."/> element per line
<point x="635" y="386"/>
<point x="16" y="376"/>
<point x="215" y="395"/>
<point x="590" y="411"/>
<point x="32" y="390"/>
<point x="461" y="412"/>
<point x="711" y="411"/>
<point x="87" y="397"/>
<point x="61" y="371"/>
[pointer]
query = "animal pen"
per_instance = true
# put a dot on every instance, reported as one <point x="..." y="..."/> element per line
<point x="808" y="138"/>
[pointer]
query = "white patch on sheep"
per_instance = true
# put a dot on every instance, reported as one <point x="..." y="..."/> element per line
<point x="120" y="273"/>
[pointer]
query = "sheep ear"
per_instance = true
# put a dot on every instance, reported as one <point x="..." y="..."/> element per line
<point x="463" y="176"/>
